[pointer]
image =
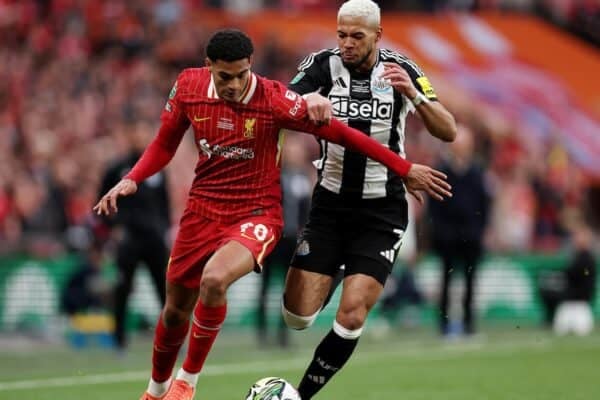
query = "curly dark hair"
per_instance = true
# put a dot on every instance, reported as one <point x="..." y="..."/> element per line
<point x="229" y="45"/>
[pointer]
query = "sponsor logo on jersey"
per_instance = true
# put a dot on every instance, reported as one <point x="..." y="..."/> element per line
<point x="200" y="119"/>
<point x="229" y="152"/>
<point x="297" y="105"/>
<point x="297" y="78"/>
<point x="426" y="87"/>
<point x="344" y="107"/>
<point x="249" y="128"/>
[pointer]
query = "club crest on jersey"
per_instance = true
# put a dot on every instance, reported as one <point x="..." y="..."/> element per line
<point x="303" y="248"/>
<point x="381" y="85"/>
<point x="249" y="128"/>
<point x="344" y="107"/>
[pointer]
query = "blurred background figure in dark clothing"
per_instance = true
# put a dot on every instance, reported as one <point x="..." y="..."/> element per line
<point x="86" y="290"/>
<point x="567" y="295"/>
<point x="458" y="225"/>
<point x="296" y="186"/>
<point x="140" y="228"/>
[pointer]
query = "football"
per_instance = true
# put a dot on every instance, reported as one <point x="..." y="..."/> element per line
<point x="272" y="388"/>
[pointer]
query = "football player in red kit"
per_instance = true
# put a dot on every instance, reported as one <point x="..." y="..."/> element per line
<point x="233" y="217"/>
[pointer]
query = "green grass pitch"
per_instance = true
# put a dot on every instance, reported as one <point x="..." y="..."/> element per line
<point x="525" y="364"/>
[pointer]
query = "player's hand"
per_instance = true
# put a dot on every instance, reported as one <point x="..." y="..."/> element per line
<point x="426" y="179"/>
<point x="399" y="79"/>
<point x="319" y="108"/>
<point x="108" y="202"/>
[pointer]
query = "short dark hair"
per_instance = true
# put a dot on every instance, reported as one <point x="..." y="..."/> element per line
<point x="229" y="45"/>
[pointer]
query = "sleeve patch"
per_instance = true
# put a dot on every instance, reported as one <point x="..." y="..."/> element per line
<point x="426" y="87"/>
<point x="290" y="95"/>
<point x="173" y="91"/>
<point x="297" y="78"/>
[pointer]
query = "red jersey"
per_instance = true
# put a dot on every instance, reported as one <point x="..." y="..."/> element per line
<point x="239" y="144"/>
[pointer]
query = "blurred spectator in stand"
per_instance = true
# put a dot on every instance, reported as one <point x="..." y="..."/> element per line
<point x="140" y="227"/>
<point x="458" y="225"/>
<point x="512" y="215"/>
<point x="576" y="284"/>
<point x="296" y="185"/>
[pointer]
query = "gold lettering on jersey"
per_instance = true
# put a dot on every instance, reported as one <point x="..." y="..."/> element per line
<point x="426" y="87"/>
<point x="249" y="128"/>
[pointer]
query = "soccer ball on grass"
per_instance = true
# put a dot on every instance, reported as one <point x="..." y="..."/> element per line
<point x="272" y="388"/>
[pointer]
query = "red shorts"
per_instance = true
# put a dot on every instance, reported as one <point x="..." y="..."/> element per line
<point x="199" y="238"/>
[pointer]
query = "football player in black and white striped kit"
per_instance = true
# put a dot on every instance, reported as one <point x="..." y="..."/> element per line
<point x="359" y="210"/>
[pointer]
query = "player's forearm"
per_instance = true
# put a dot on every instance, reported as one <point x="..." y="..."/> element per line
<point x="438" y="121"/>
<point x="354" y="140"/>
<point x="158" y="154"/>
<point x="154" y="158"/>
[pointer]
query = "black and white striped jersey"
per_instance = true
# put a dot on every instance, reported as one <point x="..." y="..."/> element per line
<point x="367" y="103"/>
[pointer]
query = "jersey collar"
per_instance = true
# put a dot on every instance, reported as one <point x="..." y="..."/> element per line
<point x="246" y="94"/>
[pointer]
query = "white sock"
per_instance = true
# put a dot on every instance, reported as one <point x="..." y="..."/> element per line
<point x="158" y="389"/>
<point x="191" y="379"/>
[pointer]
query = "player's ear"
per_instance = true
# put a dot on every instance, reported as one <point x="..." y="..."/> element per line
<point x="250" y="59"/>
<point x="208" y="63"/>
<point x="378" y="34"/>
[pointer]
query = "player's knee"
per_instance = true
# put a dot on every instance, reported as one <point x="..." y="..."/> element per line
<point x="213" y="286"/>
<point x="295" y="321"/>
<point x="351" y="318"/>
<point x="174" y="316"/>
<point x="346" y="332"/>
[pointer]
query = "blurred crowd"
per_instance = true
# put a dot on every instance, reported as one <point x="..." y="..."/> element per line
<point x="76" y="76"/>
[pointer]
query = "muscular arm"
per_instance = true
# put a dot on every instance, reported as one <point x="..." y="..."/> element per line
<point x="408" y="80"/>
<point x="158" y="153"/>
<point x="438" y="121"/>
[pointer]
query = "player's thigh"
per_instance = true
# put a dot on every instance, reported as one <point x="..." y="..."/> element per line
<point x="229" y="263"/>
<point x="373" y="239"/>
<point x="305" y="291"/>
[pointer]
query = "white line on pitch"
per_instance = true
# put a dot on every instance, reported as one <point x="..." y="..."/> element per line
<point x="419" y="353"/>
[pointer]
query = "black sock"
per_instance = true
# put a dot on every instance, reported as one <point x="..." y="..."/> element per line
<point x="330" y="356"/>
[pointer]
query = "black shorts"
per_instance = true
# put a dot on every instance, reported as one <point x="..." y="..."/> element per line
<point x="362" y="235"/>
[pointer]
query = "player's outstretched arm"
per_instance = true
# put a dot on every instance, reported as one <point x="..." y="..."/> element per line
<point x="156" y="156"/>
<point x="417" y="177"/>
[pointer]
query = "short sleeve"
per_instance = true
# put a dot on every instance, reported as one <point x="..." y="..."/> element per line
<point x="173" y="112"/>
<point x="289" y="109"/>
<point x="419" y="79"/>
<point x="312" y="75"/>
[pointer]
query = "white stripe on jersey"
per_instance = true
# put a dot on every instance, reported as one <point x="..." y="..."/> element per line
<point x="401" y="59"/>
<point x="310" y="59"/>
<point x="332" y="164"/>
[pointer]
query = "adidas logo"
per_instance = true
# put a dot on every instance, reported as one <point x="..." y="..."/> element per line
<point x="389" y="254"/>
<point x="340" y="82"/>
